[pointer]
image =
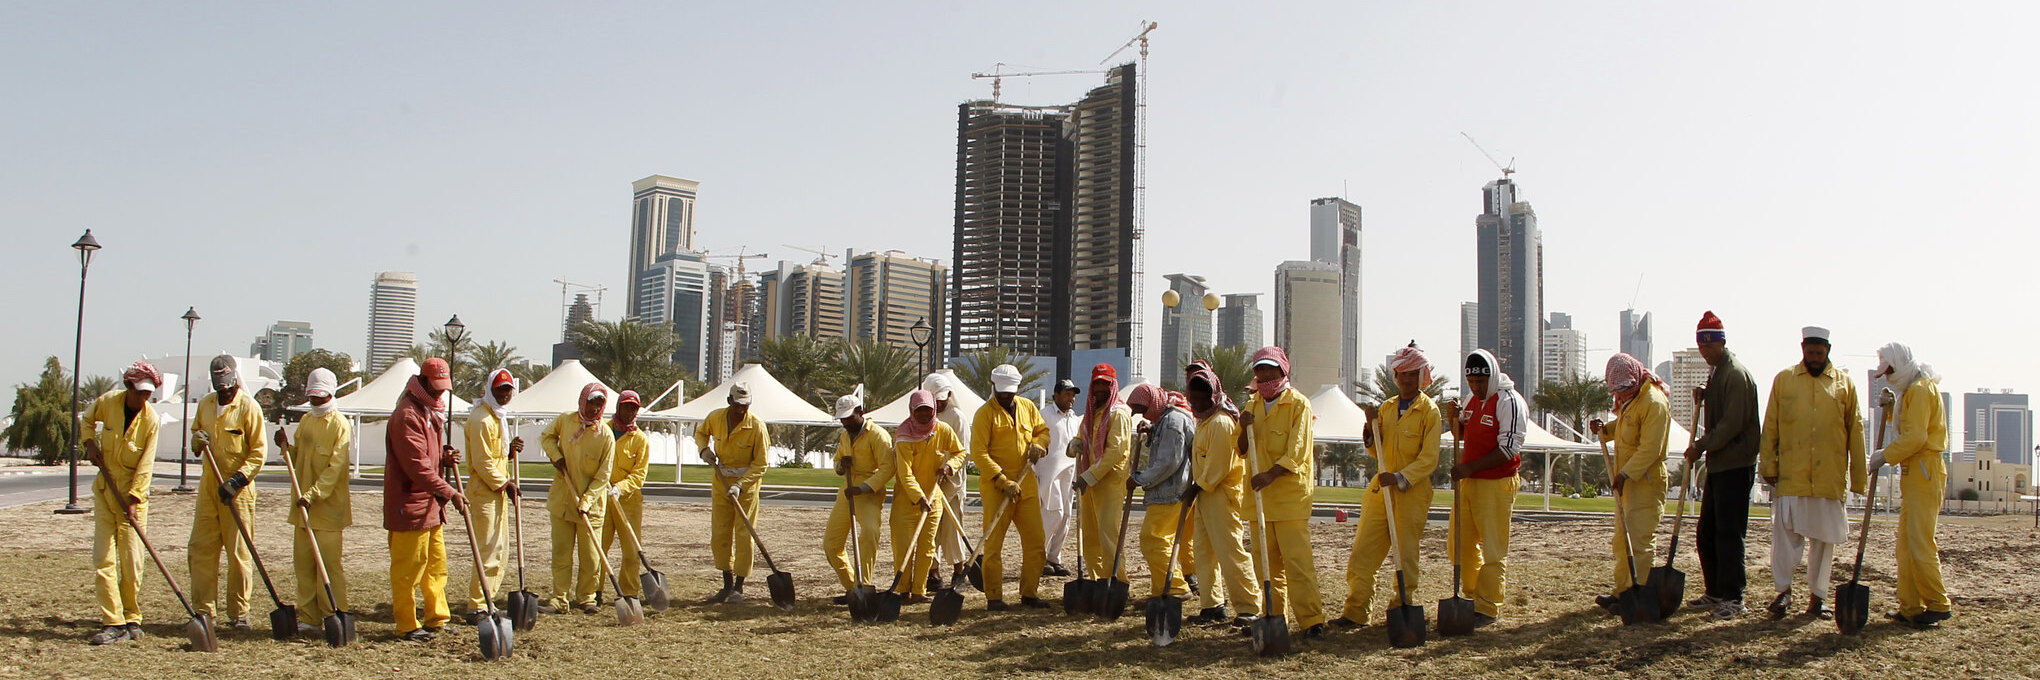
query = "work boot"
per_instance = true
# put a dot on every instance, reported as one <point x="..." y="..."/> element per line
<point x="1779" y="605"/>
<point x="1931" y="618"/>
<point x="1033" y="603"/>
<point x="1482" y="620"/>
<point x="1344" y="622"/>
<point x="1817" y="608"/>
<point x="840" y="600"/>
<point x="737" y="591"/>
<point x="545" y="607"/>
<point x="419" y="635"/>
<point x="1244" y="622"/>
<point x="1054" y="569"/>
<point x="1606" y="602"/>
<point x="240" y="623"/>
<point x="1314" y="632"/>
<point x="1209" y="617"/>
<point x="934" y="583"/>
<point x="723" y="595"/>
<point x="109" y="634"/>
<point x="996" y="605"/>
<point x="134" y="631"/>
<point x="914" y="598"/>
<point x="306" y="628"/>
<point x="590" y="608"/>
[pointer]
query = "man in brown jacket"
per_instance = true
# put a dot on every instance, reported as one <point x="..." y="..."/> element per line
<point x="414" y="501"/>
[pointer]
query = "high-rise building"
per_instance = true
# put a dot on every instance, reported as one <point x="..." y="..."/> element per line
<point x="1045" y="241"/>
<point x="888" y="292"/>
<point x="675" y="293"/>
<point x="1186" y="327"/>
<point x="1565" y="350"/>
<point x="1635" y="335"/>
<point x="1688" y="370"/>
<point x="1239" y="322"/>
<point x="579" y="312"/>
<point x="1510" y="251"/>
<point x="661" y="224"/>
<point x="801" y="299"/>
<point x="1335" y="239"/>
<point x="1469" y="328"/>
<point x="2001" y="417"/>
<point x="392" y="318"/>
<point x="283" y="340"/>
<point x="1302" y="329"/>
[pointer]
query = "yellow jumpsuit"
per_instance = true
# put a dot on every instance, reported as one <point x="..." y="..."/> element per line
<point x="1105" y="492"/>
<point x="871" y="465"/>
<point x="999" y="444"/>
<point x="1922" y="437"/>
<point x="129" y="455"/>
<point x="237" y="445"/>
<point x="1281" y="434"/>
<point x="745" y="447"/>
<point x="916" y="464"/>
<point x="589" y="452"/>
<point x="1639" y="434"/>
<point x="1224" y="566"/>
<point x="319" y="457"/>
<point x="1408" y="445"/>
<point x="489" y="469"/>
<point x="627" y="476"/>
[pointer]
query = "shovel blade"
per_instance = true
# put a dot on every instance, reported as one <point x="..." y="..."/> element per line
<point x="863" y="603"/>
<point x="283" y="622"/>
<point x="1455" y="617"/>
<point x="506" y="635"/>
<point x="629" y="611"/>
<point x="1670" y="585"/>
<point x="1406" y="626"/>
<point x="200" y="630"/>
<point x="523" y="610"/>
<point x="1638" y="604"/>
<point x="975" y="573"/>
<point x="886" y="609"/>
<point x="781" y="586"/>
<point x="947" y="607"/>
<point x="654" y="585"/>
<point x="1112" y="600"/>
<point x="1164" y="619"/>
<point x="1077" y="597"/>
<point x="335" y="630"/>
<point x="489" y="636"/>
<point x="1852" y="607"/>
<point x="1270" y="635"/>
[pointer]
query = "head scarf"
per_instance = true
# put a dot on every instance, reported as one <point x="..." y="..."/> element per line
<point x="140" y="371"/>
<point x="1201" y="371"/>
<point x="321" y="382"/>
<point x="1270" y="390"/>
<point x="1097" y="409"/>
<point x="1625" y="375"/>
<point x="588" y="393"/>
<point x="1904" y="368"/>
<point x="911" y="430"/>
<point x="1153" y="400"/>
<point x="1409" y="358"/>
<point x="616" y="422"/>
<point x="226" y="373"/>
<point x="1006" y="379"/>
<point x="499" y="376"/>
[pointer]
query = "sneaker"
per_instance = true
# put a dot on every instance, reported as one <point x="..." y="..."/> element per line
<point x="240" y="623"/>
<point x="840" y="600"/>
<point x="736" y="597"/>
<point x="1728" y="609"/>
<point x="134" y="631"/>
<point x="996" y="605"/>
<point x="419" y="635"/>
<point x="1779" y="605"/>
<point x="108" y="635"/>
<point x="1704" y="601"/>
<point x="1033" y="603"/>
<point x="1314" y="632"/>
<point x="1343" y="622"/>
<point x="1606" y="602"/>
<point x="1817" y="608"/>
<point x="1931" y="618"/>
<point x="307" y="628"/>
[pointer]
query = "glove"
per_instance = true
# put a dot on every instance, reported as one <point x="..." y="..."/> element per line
<point x="1876" y="461"/>
<point x="1035" y="453"/>
<point x="858" y="490"/>
<point x="1008" y="486"/>
<point x="1080" y="484"/>
<point x="201" y="442"/>
<point x="233" y="487"/>
<point x="615" y="492"/>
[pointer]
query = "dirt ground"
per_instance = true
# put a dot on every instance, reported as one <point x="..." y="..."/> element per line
<point x="1549" y="628"/>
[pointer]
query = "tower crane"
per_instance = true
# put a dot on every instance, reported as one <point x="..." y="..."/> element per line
<point x="821" y="256"/>
<point x="566" y="292"/>
<point x="999" y="74"/>
<point x="1140" y="96"/>
<point x="1507" y="170"/>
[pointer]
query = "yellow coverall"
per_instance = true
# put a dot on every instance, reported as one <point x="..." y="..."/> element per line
<point x="1639" y="433"/>
<point x="319" y="455"/>
<point x="1281" y="434"/>
<point x="743" y="446"/>
<point x="590" y="452"/>
<point x="627" y="477"/>
<point x="871" y="465"/>
<point x="128" y="454"/>
<point x="489" y="470"/>
<point x="916" y="464"/>
<point x="1105" y="492"/>
<point x="1220" y="518"/>
<point x="1922" y="437"/>
<point x="1409" y="447"/>
<point x="237" y="445"/>
<point x="999" y="445"/>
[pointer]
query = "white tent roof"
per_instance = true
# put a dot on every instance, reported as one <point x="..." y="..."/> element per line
<point x="379" y="396"/>
<point x="966" y="402"/>
<point x="1338" y="419"/>
<point x="558" y="392"/>
<point x="769" y="399"/>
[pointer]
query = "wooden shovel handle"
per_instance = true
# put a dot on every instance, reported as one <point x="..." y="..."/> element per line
<point x="318" y="562"/>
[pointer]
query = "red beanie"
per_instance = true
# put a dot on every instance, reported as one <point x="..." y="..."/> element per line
<point x="1710" y="329"/>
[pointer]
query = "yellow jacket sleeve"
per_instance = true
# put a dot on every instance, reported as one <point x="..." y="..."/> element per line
<point x="881" y="450"/>
<point x="481" y="457"/>
<point x="253" y="436"/>
<point x="596" y="493"/>
<point x="981" y="442"/>
<point x="334" y="476"/>
<point x="1213" y="451"/>
<point x="549" y="440"/>
<point x="1767" y="449"/>
<point x="1912" y="427"/>
<point x="1649" y="455"/>
<point x="1296" y="452"/>
<point x="702" y="431"/>
<point x="639" y="460"/>
<point x="761" y="461"/>
<point x="909" y="488"/>
<point x="145" y="455"/>
<point x="1859" y="463"/>
<point x="1118" y="446"/>
<point x="1426" y="461"/>
<point x="950" y="447"/>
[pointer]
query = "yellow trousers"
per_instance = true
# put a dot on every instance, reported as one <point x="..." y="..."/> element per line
<point x="116" y="561"/>
<point x="213" y="531"/>
<point x="491" y="512"/>
<point x="1220" y="528"/>
<point x="948" y="535"/>
<point x="1157" y="535"/>
<point x="311" y="594"/>
<point x="633" y="511"/>
<point x="572" y="539"/>
<point x="418" y="564"/>
<point x="1033" y="550"/>
<point x="1643" y="504"/>
<point x="1292" y="572"/>
<point x="836" y="538"/>
<point x="912" y="575"/>
<point x="1103" y="503"/>
<point x="1186" y="556"/>
<point x="727" y="539"/>
<point x="1480" y="534"/>
<point x="1919" y="559"/>
<point x="1371" y="547"/>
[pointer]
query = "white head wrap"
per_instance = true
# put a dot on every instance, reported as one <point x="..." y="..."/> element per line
<point x="1006" y="379"/>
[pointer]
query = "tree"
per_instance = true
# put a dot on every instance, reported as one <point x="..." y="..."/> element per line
<point x="811" y="369"/>
<point x="483" y="359"/>
<point x="886" y="371"/>
<point x="1346" y="461"/>
<point x="627" y="355"/>
<point x="300" y="368"/>
<point x="1382" y="388"/>
<point x="975" y="369"/>
<point x="1575" y="398"/>
<point x="94" y="387"/>
<point x="41" y="423"/>
<point x="1232" y="366"/>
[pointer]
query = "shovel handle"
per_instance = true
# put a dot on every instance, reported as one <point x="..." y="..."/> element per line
<point x="247" y="538"/>
<point x="1685" y="485"/>
<point x="1394" y="540"/>
<point x="856" y="552"/>
<point x="913" y="549"/>
<point x="474" y="551"/>
<point x="311" y="539"/>
<point x="594" y="540"/>
<point x="749" y="528"/>
<point x="1864" y="539"/>
<point x="167" y="578"/>
<point x="1182" y="518"/>
<point x="996" y="520"/>
<point x="628" y="532"/>
<point x="1621" y="529"/>
<point x="1126" y="510"/>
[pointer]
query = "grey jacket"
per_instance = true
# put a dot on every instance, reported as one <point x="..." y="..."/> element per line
<point x="1729" y="411"/>
<point x="1168" y="464"/>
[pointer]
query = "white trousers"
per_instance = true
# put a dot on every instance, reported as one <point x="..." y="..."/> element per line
<point x="1786" y="547"/>
<point x="1056" y="476"/>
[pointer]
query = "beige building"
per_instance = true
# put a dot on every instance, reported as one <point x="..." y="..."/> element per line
<point x="1689" y="370"/>
<point x="885" y="293"/>
<point x="804" y="299"/>
<point x="1307" y="300"/>
<point x="1993" y="480"/>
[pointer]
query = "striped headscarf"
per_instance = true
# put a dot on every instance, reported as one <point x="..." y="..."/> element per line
<point x="1626" y="375"/>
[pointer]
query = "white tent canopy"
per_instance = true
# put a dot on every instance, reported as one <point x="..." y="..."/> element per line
<point x="558" y="392"/>
<point x="965" y="401"/>
<point x="379" y="396"/>
<point x="770" y="400"/>
<point x="1337" y="418"/>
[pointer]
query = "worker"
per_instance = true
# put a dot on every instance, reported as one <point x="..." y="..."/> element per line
<point x="734" y="443"/>
<point x="414" y="501"/>
<point x="1276" y="423"/>
<point x="1008" y="437"/>
<point x="1171" y="431"/>
<point x="864" y="458"/>
<point x="1218" y="474"/>
<point x="319" y="460"/>
<point x="1643" y="421"/>
<point x="120" y="431"/>
<point x="1727" y="444"/>
<point x="227" y="425"/>
<point x="626" y="503"/>
<point x="583" y="453"/>
<point x="1057" y="475"/>
<point x="1405" y="440"/>
<point x="1104" y="459"/>
<point x="1811" y="455"/>
<point x="491" y="485"/>
<point x="949" y="535"/>
<point x="1922" y="438"/>
<point x="925" y="450"/>
<point x="1491" y="430"/>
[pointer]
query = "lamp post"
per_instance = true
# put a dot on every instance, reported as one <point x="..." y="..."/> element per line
<point x="184" y="394"/>
<point x="85" y="246"/>
<point x="456" y="333"/>
<point x="922" y="333"/>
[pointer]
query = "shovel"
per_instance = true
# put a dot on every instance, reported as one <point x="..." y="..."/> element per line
<point x="1671" y="583"/>
<point x="339" y="625"/>
<point x="948" y="604"/>
<point x="1638" y="604"/>
<point x="1405" y="622"/>
<point x="1165" y="611"/>
<point x="888" y="604"/>
<point x="200" y="628"/>
<point x="282" y="619"/>
<point x="1455" y="614"/>
<point x="493" y="631"/>
<point x="1111" y="591"/>
<point x="1077" y="595"/>
<point x="650" y="581"/>
<point x="629" y="611"/>
<point x="523" y="602"/>
<point x="1270" y="632"/>
<point x="778" y="583"/>
<point x="862" y="597"/>
<point x="1852" y="599"/>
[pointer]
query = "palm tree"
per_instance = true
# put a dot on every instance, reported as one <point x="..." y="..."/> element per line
<point x="94" y="387"/>
<point x="1383" y="388"/>
<point x="1575" y="398"/>
<point x="1231" y="365"/>
<point x="483" y="359"/>
<point x="40" y="421"/>
<point x="1346" y="461"/>
<point x="886" y="371"/>
<point x="975" y="368"/>
<point x="811" y="368"/>
<point x="627" y="355"/>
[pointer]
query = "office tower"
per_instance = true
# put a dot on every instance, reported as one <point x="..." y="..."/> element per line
<point x="283" y="341"/>
<point x="1635" y="337"/>
<point x="392" y="318"/>
<point x="888" y="292"/>
<point x="802" y="299"/>
<point x="1688" y="370"/>
<point x="2001" y="418"/>
<point x="1303" y="290"/>
<point x="1469" y="327"/>
<point x="1510" y="252"/>
<point x="1186" y="328"/>
<point x="674" y="293"/>
<point x="1335" y="239"/>
<point x="662" y="223"/>
<point x="1564" y="350"/>
<point x="1239" y="322"/>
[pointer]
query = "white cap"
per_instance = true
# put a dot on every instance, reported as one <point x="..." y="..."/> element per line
<point x="740" y="393"/>
<point x="1813" y="333"/>
<point x="321" y="383"/>
<point x="144" y="385"/>
<point x="849" y="403"/>
<point x="1005" y="379"/>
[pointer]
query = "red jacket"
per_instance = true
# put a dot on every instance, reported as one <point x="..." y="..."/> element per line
<point x="414" y="494"/>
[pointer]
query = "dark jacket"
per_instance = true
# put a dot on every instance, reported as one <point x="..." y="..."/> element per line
<point x="1729" y="411"/>
<point x="413" y="491"/>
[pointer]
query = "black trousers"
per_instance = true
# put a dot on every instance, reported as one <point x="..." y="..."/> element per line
<point x="1724" y="520"/>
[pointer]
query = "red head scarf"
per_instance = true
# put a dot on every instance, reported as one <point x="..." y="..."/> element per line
<point x="1626" y="375"/>
<point x="911" y="430"/>
<point x="1270" y="390"/>
<point x="1095" y="427"/>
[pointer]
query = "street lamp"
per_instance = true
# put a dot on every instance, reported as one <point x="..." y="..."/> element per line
<point x="456" y="333"/>
<point x="85" y="246"/>
<point x="922" y="333"/>
<point x="184" y="394"/>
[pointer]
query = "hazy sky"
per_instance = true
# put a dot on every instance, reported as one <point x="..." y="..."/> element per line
<point x="1855" y="165"/>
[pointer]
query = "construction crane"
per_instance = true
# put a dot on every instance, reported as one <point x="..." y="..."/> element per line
<point x="1507" y="170"/>
<point x="821" y="256"/>
<point x="566" y="290"/>
<point x="1140" y="96"/>
<point x="999" y="74"/>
